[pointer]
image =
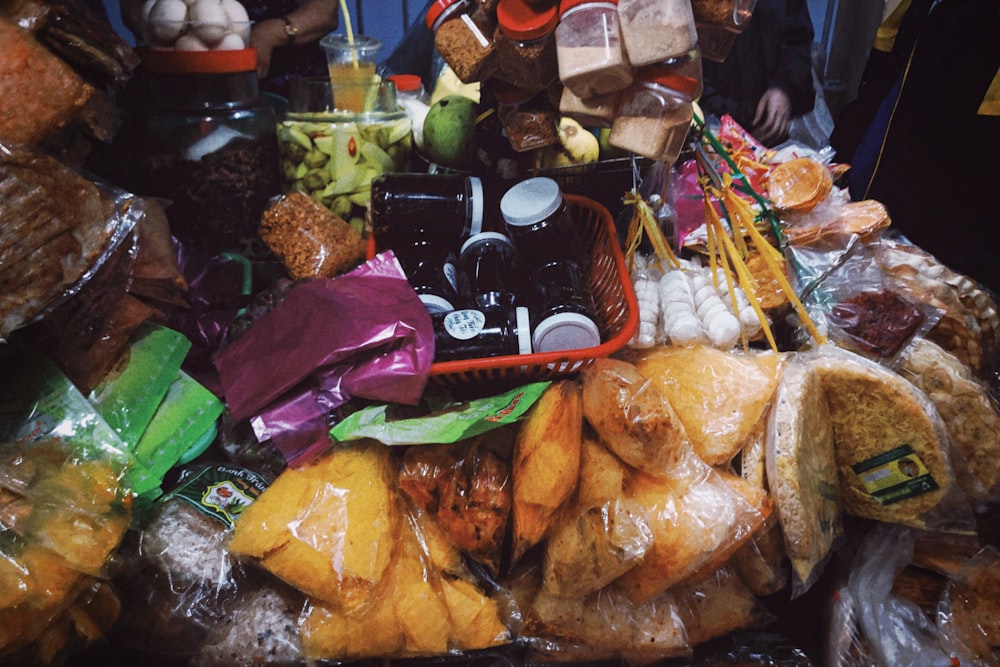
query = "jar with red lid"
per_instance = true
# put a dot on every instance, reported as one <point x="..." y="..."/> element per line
<point x="528" y="118"/>
<point x="589" y="48"/>
<point x="525" y="43"/>
<point x="463" y="35"/>
<point x="655" y="112"/>
<point x="208" y="143"/>
<point x="719" y="22"/>
<point x="654" y="30"/>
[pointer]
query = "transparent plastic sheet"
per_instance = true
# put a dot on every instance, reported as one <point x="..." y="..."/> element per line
<point x="970" y="412"/>
<point x="802" y="471"/>
<point x="762" y="563"/>
<point x="59" y="228"/>
<point x="894" y="454"/>
<point x="847" y="296"/>
<point x="466" y="489"/>
<point x="968" y="615"/>
<point x="64" y="509"/>
<point x="897" y="630"/>
<point x="719" y="396"/>
<point x="331" y="346"/>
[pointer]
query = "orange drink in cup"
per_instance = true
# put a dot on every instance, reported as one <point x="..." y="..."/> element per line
<point x="351" y="60"/>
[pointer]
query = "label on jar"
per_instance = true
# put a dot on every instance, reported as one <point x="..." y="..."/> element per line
<point x="464" y="324"/>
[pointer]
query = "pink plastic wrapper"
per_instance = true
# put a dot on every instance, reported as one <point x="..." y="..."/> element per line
<point x="364" y="334"/>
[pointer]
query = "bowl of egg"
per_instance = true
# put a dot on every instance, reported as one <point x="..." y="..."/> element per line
<point x="195" y="25"/>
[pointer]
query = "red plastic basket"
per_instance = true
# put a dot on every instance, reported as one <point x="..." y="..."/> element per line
<point x="616" y="310"/>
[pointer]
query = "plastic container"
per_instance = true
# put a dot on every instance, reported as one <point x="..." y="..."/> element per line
<point x="463" y="35"/>
<point x="525" y="43"/>
<point x="351" y="61"/>
<point x="589" y="48"/>
<point x="562" y="308"/>
<point x="487" y="278"/>
<point x="597" y="111"/>
<point x="430" y="269"/>
<point x="481" y="333"/>
<point x="529" y="121"/>
<point x="719" y="22"/>
<point x="410" y="207"/>
<point x="654" y="30"/>
<point x="654" y="115"/>
<point x="539" y="224"/>
<point x="207" y="144"/>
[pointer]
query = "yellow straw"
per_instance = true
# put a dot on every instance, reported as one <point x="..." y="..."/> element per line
<point x="349" y="30"/>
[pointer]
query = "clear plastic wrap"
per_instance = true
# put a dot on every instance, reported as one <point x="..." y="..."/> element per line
<point x="59" y="228"/>
<point x="718" y="396"/>
<point x="64" y="509"/>
<point x="802" y="471"/>
<point x="968" y="615"/>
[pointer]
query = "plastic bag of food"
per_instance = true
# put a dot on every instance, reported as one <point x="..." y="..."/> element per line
<point x="59" y="228"/>
<point x="894" y="454"/>
<point x="324" y="344"/>
<point x="969" y="612"/>
<point x="185" y="595"/>
<point x="898" y="632"/>
<point x="802" y="471"/>
<point x="65" y="507"/>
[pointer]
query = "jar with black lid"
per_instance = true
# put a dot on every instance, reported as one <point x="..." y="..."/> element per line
<point x="539" y="224"/>
<point x="409" y="207"/>
<point x="430" y="269"/>
<point x="487" y="278"/>
<point x="208" y="143"/>
<point x="475" y="334"/>
<point x="525" y="43"/>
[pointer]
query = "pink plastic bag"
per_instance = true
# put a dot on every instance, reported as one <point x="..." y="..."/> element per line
<point x="364" y="334"/>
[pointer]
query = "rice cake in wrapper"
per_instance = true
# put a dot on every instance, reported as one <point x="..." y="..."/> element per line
<point x="802" y="471"/>
<point x="892" y="448"/>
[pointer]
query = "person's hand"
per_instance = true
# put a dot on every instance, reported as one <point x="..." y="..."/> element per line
<point x="773" y="118"/>
<point x="266" y="36"/>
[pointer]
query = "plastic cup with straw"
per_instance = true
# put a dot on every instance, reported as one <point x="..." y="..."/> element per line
<point x="351" y="62"/>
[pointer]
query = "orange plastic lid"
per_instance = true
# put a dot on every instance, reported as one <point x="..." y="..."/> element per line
<point x="406" y="82"/>
<point x="171" y="61"/>
<point x="567" y="5"/>
<point x="669" y="78"/>
<point x="437" y="9"/>
<point x="520" y="21"/>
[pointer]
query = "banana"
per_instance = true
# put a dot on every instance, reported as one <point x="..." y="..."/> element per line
<point x="546" y="463"/>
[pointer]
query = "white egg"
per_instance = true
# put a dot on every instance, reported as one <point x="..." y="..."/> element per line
<point x="147" y="7"/>
<point x="231" y="42"/>
<point x="235" y="11"/>
<point x="189" y="42"/>
<point x="208" y="20"/>
<point x="166" y="20"/>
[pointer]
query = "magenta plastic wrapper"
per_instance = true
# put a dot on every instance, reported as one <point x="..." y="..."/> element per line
<point x="363" y="334"/>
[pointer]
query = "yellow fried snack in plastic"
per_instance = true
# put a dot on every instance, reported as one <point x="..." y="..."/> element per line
<point x="326" y="528"/>
<point x="719" y="396"/>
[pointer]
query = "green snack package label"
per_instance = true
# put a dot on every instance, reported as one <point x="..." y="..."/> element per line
<point x="895" y="475"/>
<point x="187" y="413"/>
<point x="450" y="424"/>
<point x="129" y="397"/>
<point x="220" y="491"/>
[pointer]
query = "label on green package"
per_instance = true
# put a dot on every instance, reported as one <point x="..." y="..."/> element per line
<point x="895" y="475"/>
<point x="220" y="491"/>
<point x="450" y="423"/>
